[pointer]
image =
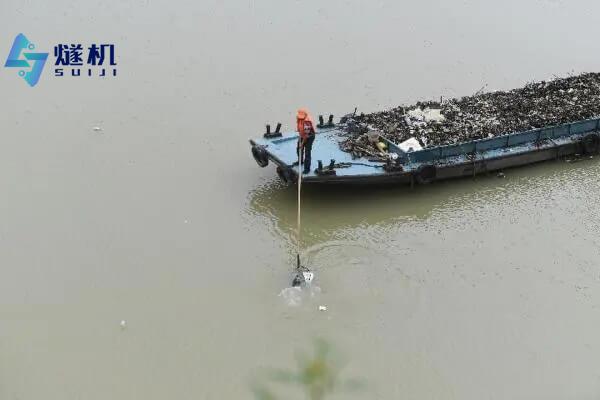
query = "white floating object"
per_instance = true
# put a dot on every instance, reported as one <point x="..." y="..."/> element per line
<point x="308" y="276"/>
<point x="123" y="324"/>
<point x="322" y="308"/>
<point x="97" y="129"/>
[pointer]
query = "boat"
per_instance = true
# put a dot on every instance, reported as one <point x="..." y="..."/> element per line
<point x="332" y="165"/>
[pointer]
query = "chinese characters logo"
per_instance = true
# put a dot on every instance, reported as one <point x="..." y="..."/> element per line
<point x="96" y="57"/>
<point x="75" y="60"/>
<point x="37" y="60"/>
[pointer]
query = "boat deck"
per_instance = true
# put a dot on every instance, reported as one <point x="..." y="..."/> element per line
<point x="282" y="151"/>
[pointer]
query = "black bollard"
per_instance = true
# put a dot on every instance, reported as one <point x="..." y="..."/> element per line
<point x="271" y="135"/>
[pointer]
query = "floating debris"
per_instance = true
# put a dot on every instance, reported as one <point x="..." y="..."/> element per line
<point x="480" y="116"/>
<point x="97" y="129"/>
<point x="322" y="308"/>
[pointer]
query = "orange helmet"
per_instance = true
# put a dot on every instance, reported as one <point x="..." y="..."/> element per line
<point x="302" y="114"/>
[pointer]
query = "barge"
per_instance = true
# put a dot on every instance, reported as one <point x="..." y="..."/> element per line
<point x="331" y="165"/>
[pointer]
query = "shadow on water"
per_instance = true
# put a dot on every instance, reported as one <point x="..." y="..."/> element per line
<point x="330" y="209"/>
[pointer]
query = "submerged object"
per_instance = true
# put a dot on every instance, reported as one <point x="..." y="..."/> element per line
<point x="303" y="277"/>
<point x="455" y="138"/>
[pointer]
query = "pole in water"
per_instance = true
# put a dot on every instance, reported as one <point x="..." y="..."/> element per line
<point x="303" y="274"/>
<point x="298" y="233"/>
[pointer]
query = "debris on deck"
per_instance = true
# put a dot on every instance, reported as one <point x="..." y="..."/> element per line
<point x="480" y="116"/>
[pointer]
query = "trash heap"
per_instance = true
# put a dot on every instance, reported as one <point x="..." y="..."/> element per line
<point x="482" y="115"/>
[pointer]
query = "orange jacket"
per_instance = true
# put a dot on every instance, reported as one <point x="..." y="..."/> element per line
<point x="305" y="127"/>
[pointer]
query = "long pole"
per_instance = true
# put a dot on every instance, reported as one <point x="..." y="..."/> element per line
<point x="300" y="151"/>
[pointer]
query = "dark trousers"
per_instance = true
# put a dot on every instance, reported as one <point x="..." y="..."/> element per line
<point x="307" y="152"/>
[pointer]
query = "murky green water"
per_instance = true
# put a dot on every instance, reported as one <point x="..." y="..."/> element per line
<point x="471" y="289"/>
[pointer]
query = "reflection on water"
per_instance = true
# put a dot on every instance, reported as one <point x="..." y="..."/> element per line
<point x="338" y="212"/>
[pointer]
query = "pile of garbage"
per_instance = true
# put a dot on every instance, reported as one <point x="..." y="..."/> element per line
<point x="482" y="115"/>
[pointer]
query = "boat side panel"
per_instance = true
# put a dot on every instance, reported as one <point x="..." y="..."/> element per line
<point x="499" y="142"/>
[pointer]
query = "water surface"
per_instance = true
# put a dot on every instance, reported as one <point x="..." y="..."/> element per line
<point x="470" y="289"/>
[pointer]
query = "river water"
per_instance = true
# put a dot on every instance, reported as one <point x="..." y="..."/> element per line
<point x="471" y="289"/>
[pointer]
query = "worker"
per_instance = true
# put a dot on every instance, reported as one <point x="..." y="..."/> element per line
<point x="306" y="131"/>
